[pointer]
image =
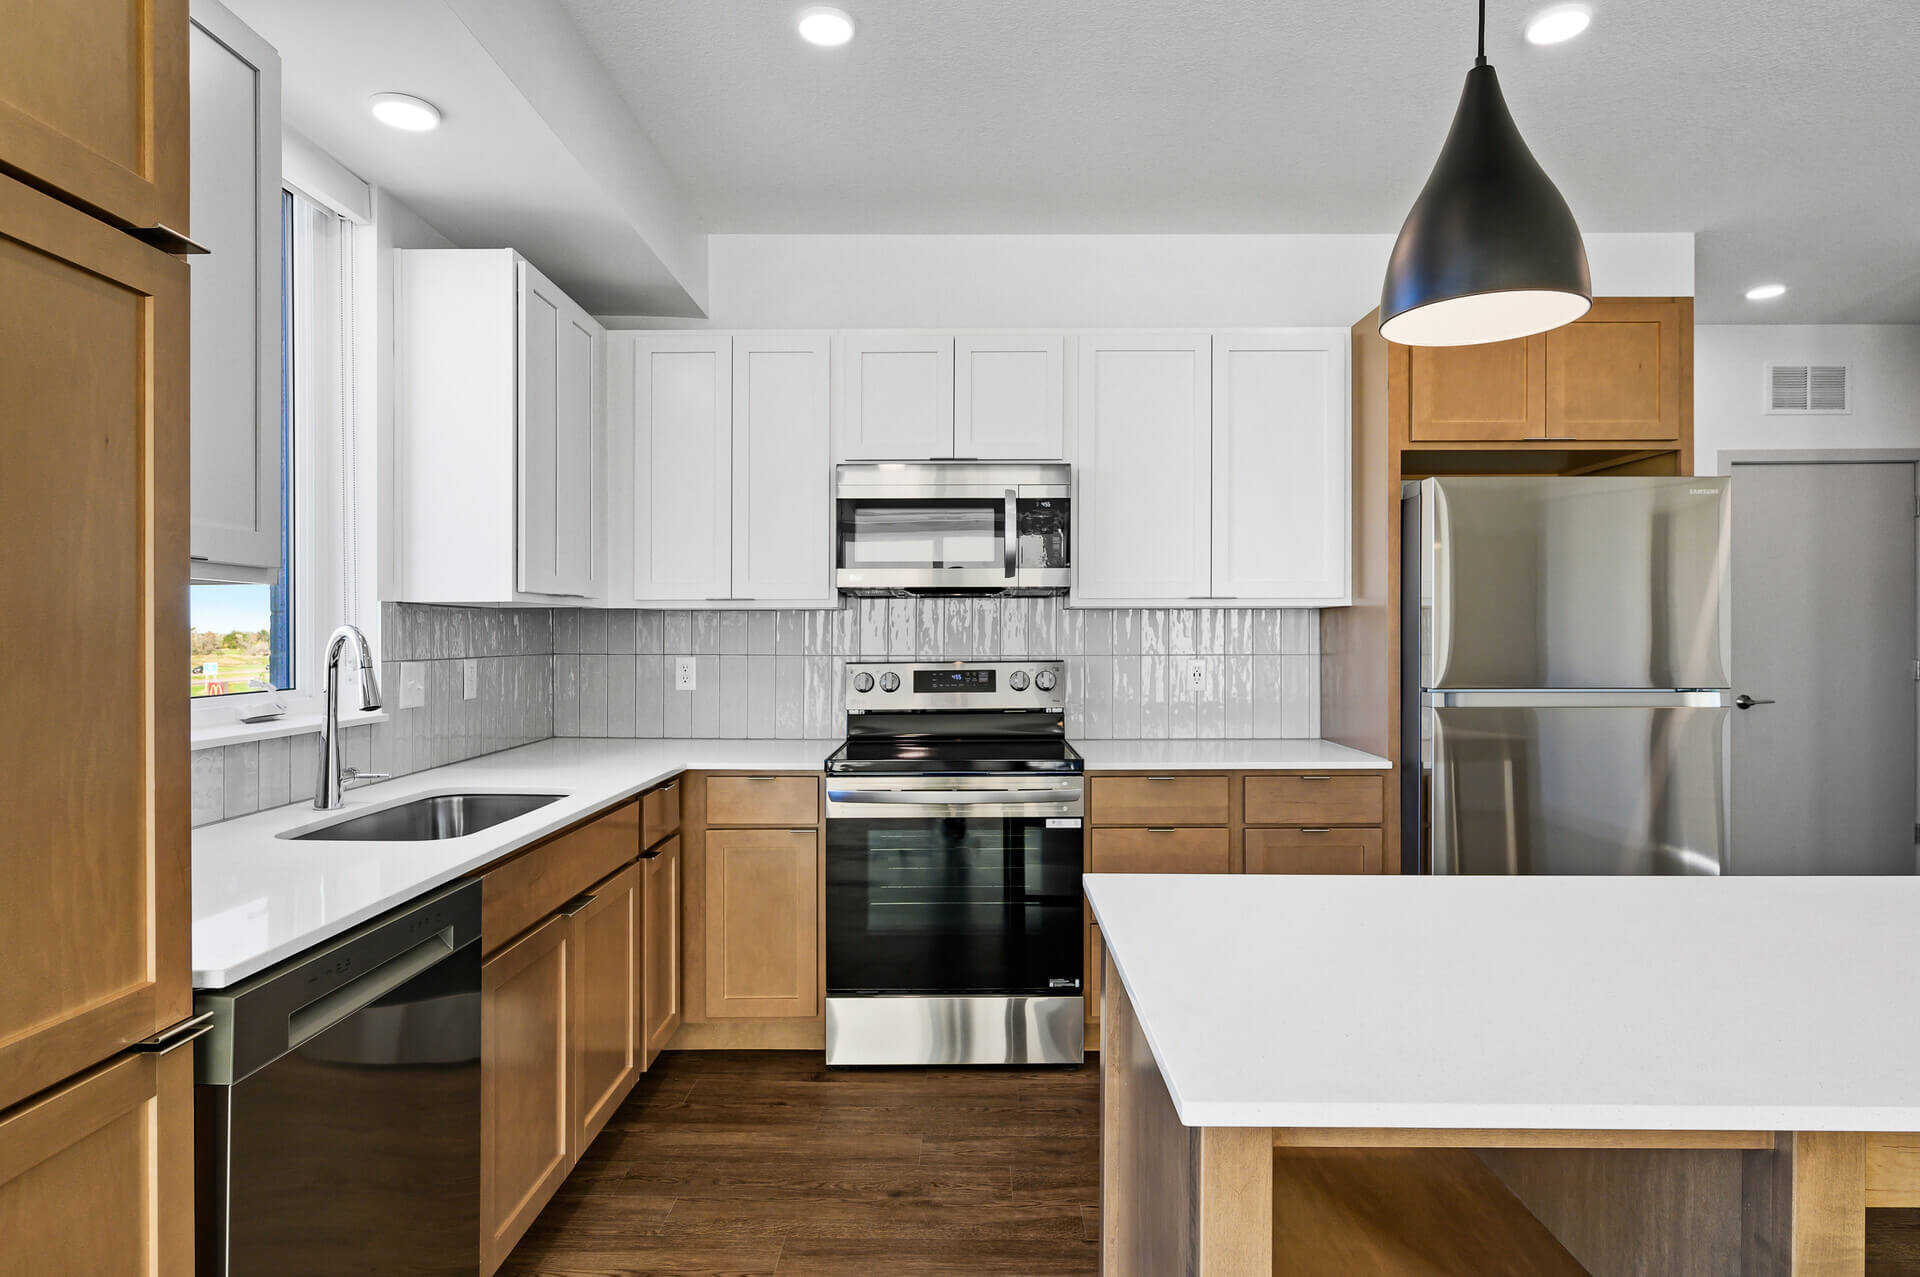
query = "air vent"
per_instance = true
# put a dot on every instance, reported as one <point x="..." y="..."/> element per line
<point x="1807" y="388"/>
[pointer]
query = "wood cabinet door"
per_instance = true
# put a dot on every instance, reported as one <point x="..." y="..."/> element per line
<point x="1312" y="851"/>
<point x="95" y="912"/>
<point x="659" y="813"/>
<point x="660" y="941"/>
<point x="1622" y="372"/>
<point x="1160" y="850"/>
<point x="1315" y="800"/>
<point x="522" y="891"/>
<point x="762" y="923"/>
<point x="1143" y="472"/>
<point x="896" y="397"/>
<point x="1282" y="465"/>
<point x="606" y="956"/>
<point x="671" y="448"/>
<point x="97" y="1176"/>
<point x="782" y="498"/>
<point x="526" y="1118"/>
<point x="93" y="105"/>
<point x="559" y="462"/>
<point x="1158" y="800"/>
<point x="763" y="800"/>
<point x="1009" y="396"/>
<point x="1467" y="394"/>
<point x="236" y="295"/>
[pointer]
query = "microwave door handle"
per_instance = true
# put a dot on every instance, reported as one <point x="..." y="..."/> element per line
<point x="1012" y="537"/>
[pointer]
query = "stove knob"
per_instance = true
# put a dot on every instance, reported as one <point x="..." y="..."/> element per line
<point x="863" y="682"/>
<point x="1045" y="680"/>
<point x="889" y="682"/>
<point x="1017" y="680"/>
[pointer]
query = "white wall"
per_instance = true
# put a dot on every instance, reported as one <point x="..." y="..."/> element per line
<point x="1091" y="281"/>
<point x="1729" y="367"/>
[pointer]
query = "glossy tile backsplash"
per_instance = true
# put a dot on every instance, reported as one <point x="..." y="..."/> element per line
<point x="781" y="674"/>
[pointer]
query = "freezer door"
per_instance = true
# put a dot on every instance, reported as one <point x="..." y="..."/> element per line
<point x="1581" y="789"/>
<point x="1573" y="583"/>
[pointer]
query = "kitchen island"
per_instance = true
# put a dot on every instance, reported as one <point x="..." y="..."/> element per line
<point x="1373" y="1074"/>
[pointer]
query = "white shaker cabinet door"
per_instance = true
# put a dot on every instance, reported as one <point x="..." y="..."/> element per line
<point x="235" y="321"/>
<point x="896" y="397"/>
<point x="1009" y="397"/>
<point x="1282" y="453"/>
<point x="782" y="507"/>
<point x="673" y="459"/>
<point x="558" y="475"/>
<point x="1142" y="468"/>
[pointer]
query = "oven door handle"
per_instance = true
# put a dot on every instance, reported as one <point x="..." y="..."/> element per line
<point x="957" y="796"/>
<point x="1013" y="535"/>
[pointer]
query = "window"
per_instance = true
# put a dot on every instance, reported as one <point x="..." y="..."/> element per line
<point x="241" y="635"/>
<point x="256" y="647"/>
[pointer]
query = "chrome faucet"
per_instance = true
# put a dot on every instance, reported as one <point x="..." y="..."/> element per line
<point x="333" y="778"/>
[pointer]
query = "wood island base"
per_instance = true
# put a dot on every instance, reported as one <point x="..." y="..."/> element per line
<point x="1253" y="1201"/>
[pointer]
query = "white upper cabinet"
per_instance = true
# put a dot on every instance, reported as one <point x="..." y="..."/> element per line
<point x="1143" y="471"/>
<point x="559" y="480"/>
<point x="718" y="469"/>
<point x="1282" y="467"/>
<point x="896" y="397"/>
<point x="781" y="502"/>
<point x="497" y="432"/>
<point x="1009" y="397"/>
<point x="670" y="452"/>
<point x="235" y="366"/>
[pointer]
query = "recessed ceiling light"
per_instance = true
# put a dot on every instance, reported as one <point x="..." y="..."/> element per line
<point x="826" y="26"/>
<point x="1557" y="24"/>
<point x="1766" y="292"/>
<point x="404" y="111"/>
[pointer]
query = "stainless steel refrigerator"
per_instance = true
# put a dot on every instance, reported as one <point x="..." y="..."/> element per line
<point x="1566" y="660"/>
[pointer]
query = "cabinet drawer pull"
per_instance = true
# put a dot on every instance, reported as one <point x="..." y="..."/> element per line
<point x="1316" y="778"/>
<point x="1163" y="779"/>
<point x="1163" y="829"/>
<point x="576" y="904"/>
<point x="803" y="829"/>
<point x="1321" y="830"/>
<point x="669" y="787"/>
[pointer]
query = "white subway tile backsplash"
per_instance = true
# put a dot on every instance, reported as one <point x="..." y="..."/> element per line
<point x="733" y="633"/>
<point x="678" y="633"/>
<point x="762" y="633"/>
<point x="762" y="697"/>
<point x="621" y="698"/>
<point x="734" y="690"/>
<point x="242" y="778"/>
<point x="209" y="785"/>
<point x="649" y="632"/>
<point x="649" y="695"/>
<point x="276" y="772"/>
<point x="790" y="704"/>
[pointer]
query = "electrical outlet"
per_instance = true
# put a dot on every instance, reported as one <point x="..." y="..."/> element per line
<point x="470" y="672"/>
<point x="683" y="667"/>
<point x="413" y="685"/>
<point x="1196" y="674"/>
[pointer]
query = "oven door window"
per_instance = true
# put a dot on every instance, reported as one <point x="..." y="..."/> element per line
<point x="946" y="532"/>
<point x="953" y="905"/>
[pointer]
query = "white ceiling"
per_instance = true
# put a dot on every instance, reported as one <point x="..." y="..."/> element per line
<point x="1782" y="132"/>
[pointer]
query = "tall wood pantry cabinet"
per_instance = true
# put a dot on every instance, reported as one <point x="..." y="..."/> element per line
<point x="95" y="1095"/>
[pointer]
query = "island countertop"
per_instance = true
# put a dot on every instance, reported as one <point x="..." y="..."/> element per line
<point x="1650" y="1004"/>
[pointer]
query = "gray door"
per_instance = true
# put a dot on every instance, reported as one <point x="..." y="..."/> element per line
<point x="1824" y="629"/>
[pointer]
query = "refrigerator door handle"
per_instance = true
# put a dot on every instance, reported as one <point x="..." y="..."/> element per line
<point x="1744" y="701"/>
<point x="1572" y="698"/>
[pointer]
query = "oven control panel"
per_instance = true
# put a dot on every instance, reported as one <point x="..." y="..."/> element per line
<point x="986" y="685"/>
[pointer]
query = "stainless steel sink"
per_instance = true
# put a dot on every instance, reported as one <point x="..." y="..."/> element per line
<point x="431" y="819"/>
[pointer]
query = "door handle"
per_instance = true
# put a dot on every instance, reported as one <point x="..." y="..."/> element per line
<point x="1013" y="534"/>
<point x="1744" y="701"/>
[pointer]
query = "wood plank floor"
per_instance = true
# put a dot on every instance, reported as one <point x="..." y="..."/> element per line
<point x="738" y="1163"/>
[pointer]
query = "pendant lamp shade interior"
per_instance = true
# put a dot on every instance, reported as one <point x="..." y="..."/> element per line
<point x="1490" y="251"/>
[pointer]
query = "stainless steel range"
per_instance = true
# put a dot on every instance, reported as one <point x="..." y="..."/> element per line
<point x="953" y="907"/>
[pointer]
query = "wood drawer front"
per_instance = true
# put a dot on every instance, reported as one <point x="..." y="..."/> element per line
<point x="1315" y="800"/>
<point x="532" y="885"/>
<point x="762" y="800"/>
<point x="1158" y="800"/>
<point x="1313" y="851"/>
<point x="659" y="813"/>
<point x="1159" y="851"/>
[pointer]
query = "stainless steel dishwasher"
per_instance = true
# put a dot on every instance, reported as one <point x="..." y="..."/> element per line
<point x="337" y="1105"/>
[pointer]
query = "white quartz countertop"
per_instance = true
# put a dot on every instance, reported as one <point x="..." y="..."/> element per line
<point x="259" y="898"/>
<point x="1774" y="1004"/>
<point x="1225" y="755"/>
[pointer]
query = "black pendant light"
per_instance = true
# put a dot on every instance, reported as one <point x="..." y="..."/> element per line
<point x="1490" y="251"/>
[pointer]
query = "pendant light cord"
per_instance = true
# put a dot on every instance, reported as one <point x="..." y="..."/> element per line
<point x="1482" y="59"/>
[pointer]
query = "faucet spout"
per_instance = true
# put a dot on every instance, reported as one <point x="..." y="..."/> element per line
<point x="331" y="782"/>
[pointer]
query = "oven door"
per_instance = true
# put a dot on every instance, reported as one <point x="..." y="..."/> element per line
<point x="954" y="886"/>
<point x="955" y="541"/>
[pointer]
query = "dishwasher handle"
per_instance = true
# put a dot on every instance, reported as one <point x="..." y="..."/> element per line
<point x="356" y="995"/>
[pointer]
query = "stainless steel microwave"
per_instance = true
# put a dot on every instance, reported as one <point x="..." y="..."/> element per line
<point x="958" y="527"/>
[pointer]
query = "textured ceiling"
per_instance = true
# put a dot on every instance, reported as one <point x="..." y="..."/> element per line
<point x="1786" y="135"/>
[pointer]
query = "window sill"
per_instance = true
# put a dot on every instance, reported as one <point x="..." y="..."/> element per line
<point x="292" y="724"/>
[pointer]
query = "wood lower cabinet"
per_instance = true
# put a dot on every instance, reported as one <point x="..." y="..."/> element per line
<point x="1162" y="850"/>
<point x="520" y="892"/>
<point x="1315" y="799"/>
<point x="762" y="932"/>
<point x="96" y="1177"/>
<point x="659" y="813"/>
<point x="660" y="1002"/>
<point x="1158" y="800"/>
<point x="1096" y="959"/>
<point x="607" y="959"/>
<point x="762" y="800"/>
<point x="95" y="913"/>
<point x="526" y="1117"/>
<point x="1317" y="850"/>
